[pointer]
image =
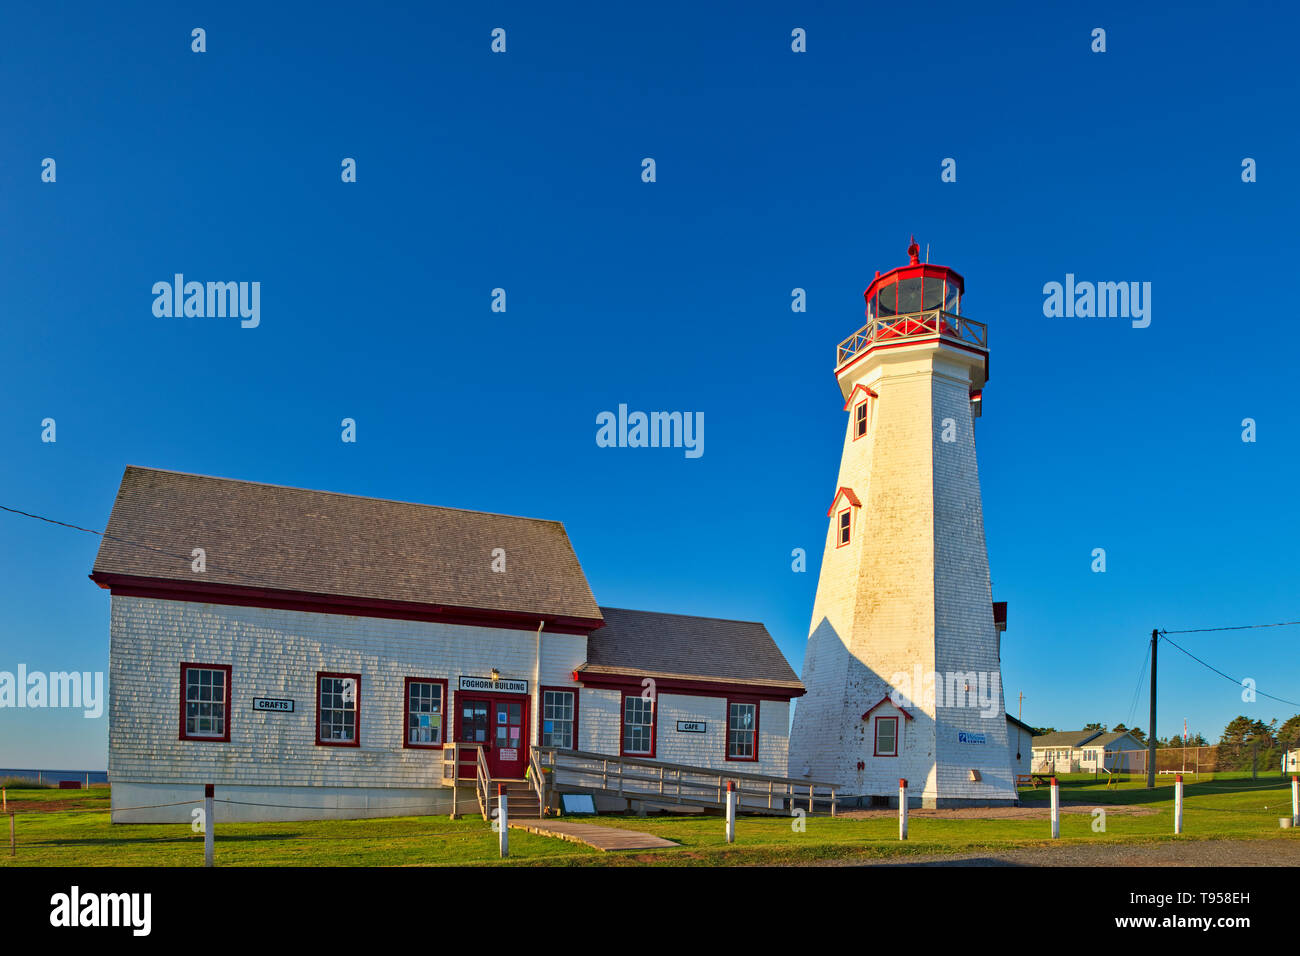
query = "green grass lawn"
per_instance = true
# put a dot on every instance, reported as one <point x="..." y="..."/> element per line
<point x="62" y="828"/>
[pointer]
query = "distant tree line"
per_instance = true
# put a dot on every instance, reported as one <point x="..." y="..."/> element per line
<point x="1245" y="743"/>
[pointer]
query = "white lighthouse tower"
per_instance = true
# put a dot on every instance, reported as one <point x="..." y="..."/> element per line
<point x="902" y="669"/>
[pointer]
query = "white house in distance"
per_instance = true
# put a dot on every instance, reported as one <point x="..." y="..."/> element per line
<point x="1087" y="751"/>
<point x="903" y="664"/>
<point x="311" y="653"/>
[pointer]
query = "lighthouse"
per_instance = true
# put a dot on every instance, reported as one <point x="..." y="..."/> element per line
<point x="902" y="667"/>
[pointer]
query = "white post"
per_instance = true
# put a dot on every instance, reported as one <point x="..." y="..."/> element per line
<point x="209" y="824"/>
<point x="1295" y="802"/>
<point x="1178" y="803"/>
<point x="902" y="808"/>
<point x="1056" y="809"/>
<point x="503" y="821"/>
<point x="731" y="813"/>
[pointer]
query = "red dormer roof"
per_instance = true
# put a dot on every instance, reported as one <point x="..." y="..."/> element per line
<point x="886" y="700"/>
<point x="847" y="493"/>
<point x="859" y="388"/>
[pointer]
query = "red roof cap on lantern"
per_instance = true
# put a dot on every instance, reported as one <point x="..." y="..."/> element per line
<point x="914" y="269"/>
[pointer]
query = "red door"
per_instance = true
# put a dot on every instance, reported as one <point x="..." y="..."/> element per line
<point x="508" y="755"/>
<point x="473" y="726"/>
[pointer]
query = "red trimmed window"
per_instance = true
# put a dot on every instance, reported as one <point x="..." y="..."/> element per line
<point x="560" y="717"/>
<point x="860" y="419"/>
<point x="844" y="528"/>
<point x="426" y="711"/>
<point x="638" y="725"/>
<point x="742" y="730"/>
<point x="338" y="709"/>
<point x="886" y="736"/>
<point x="205" y="702"/>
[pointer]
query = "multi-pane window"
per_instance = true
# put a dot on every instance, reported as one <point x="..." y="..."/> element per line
<point x="860" y="421"/>
<point x="205" y="695"/>
<point x="886" y="736"/>
<point x="638" y="725"/>
<point x="846" y="523"/>
<point x="338" y="709"/>
<point x="742" y="731"/>
<point x="424" y="709"/>
<point x="559" y="714"/>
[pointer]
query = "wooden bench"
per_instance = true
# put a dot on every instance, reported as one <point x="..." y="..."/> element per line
<point x="1032" y="779"/>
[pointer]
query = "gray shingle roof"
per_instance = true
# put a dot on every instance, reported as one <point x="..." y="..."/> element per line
<point x="651" y="644"/>
<point x="1105" y="740"/>
<point x="325" y="543"/>
<point x="1066" y="738"/>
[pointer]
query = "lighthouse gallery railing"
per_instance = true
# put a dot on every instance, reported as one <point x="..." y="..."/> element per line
<point x="911" y="325"/>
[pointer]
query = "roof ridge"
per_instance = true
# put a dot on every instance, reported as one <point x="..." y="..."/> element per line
<point x="694" y="617"/>
<point x="340" y="494"/>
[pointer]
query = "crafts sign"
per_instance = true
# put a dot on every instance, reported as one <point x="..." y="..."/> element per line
<point x="500" y="686"/>
<point x="280" y="705"/>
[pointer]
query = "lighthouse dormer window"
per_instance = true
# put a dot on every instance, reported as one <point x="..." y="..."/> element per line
<point x="845" y="530"/>
<point x="860" y="420"/>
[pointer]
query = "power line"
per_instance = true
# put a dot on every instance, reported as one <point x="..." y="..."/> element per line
<point x="1240" y="627"/>
<point x="1221" y="673"/>
<point x="128" y="542"/>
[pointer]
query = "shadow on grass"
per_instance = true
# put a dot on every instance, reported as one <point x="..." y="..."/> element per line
<point x="196" y="840"/>
<point x="1079" y="793"/>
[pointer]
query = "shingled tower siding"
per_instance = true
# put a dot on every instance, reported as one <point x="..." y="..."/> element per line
<point x="910" y="593"/>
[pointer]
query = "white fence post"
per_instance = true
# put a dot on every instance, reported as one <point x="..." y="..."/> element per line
<point x="1295" y="802"/>
<point x="503" y="821"/>
<point x="731" y="813"/>
<point x="209" y="824"/>
<point x="1056" y="809"/>
<point x="1178" y="803"/>
<point x="902" y="808"/>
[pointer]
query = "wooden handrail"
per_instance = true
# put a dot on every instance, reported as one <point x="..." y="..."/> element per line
<point x="700" y="784"/>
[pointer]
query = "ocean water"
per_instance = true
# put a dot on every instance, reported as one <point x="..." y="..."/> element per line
<point x="54" y="776"/>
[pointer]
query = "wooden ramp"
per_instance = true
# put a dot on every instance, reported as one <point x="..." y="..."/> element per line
<point x="593" y="834"/>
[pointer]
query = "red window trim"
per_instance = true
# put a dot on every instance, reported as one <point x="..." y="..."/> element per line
<point x="541" y="717"/>
<point x="224" y="738"/>
<point x="866" y="418"/>
<point x="838" y="524"/>
<point x="875" y="743"/>
<point x="622" y="722"/>
<point x="726" y="744"/>
<point x="406" y="711"/>
<point x="356" y="741"/>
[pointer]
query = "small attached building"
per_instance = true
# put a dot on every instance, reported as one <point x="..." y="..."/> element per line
<point x="311" y="654"/>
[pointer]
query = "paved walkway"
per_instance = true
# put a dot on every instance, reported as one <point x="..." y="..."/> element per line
<point x="593" y="835"/>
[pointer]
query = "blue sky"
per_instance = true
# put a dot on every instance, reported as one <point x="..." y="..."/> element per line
<point x="775" y="170"/>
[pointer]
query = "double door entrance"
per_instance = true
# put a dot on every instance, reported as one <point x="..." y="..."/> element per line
<point x="500" y="725"/>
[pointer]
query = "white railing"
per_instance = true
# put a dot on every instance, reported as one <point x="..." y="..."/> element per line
<point x="668" y="783"/>
<point x="911" y="325"/>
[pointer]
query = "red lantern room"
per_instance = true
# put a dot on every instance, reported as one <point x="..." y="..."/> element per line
<point x="913" y="288"/>
<point x="912" y="304"/>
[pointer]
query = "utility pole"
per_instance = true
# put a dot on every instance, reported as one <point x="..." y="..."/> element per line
<point x="1020" y="708"/>
<point x="1151" y="734"/>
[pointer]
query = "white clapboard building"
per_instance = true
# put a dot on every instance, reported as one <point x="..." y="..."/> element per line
<point x="903" y="664"/>
<point x="310" y="654"/>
